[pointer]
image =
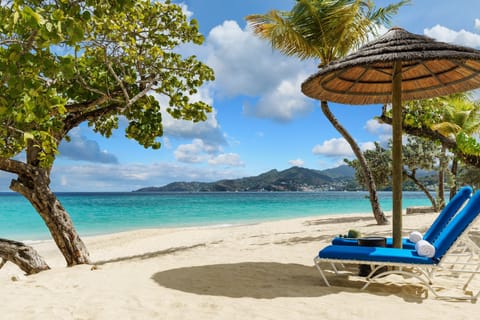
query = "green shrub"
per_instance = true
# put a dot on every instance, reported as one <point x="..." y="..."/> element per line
<point x="352" y="233"/>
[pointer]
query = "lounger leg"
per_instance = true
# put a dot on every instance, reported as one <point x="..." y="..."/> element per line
<point x="471" y="278"/>
<point x="321" y="272"/>
<point x="474" y="299"/>
<point x="334" y="267"/>
<point x="426" y="280"/>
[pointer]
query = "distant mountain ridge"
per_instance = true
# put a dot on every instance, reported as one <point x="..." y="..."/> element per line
<point x="293" y="179"/>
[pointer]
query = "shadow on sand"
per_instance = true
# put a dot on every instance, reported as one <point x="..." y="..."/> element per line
<point x="269" y="280"/>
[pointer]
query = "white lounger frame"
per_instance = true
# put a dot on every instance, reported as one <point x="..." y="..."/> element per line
<point x="463" y="257"/>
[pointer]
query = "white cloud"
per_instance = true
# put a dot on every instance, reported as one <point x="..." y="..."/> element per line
<point x="200" y="152"/>
<point x="195" y="152"/>
<point x="461" y="37"/>
<point x="80" y="148"/>
<point x="339" y="147"/>
<point x="376" y="127"/>
<point x="382" y="130"/>
<point x="227" y="159"/>
<point x="131" y="176"/>
<point x="283" y="103"/>
<point x="296" y="163"/>
<point x="208" y="130"/>
<point x="477" y="23"/>
<point x="333" y="147"/>
<point x="241" y="60"/>
<point x="367" y="146"/>
<point x="207" y="136"/>
<point x="246" y="65"/>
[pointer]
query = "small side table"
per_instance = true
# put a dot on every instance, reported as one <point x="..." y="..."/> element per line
<point x="364" y="269"/>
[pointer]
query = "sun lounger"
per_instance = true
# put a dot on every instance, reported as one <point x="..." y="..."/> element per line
<point x="408" y="262"/>
<point x="432" y="233"/>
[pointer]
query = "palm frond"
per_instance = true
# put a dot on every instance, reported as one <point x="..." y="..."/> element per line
<point x="277" y="27"/>
<point x="447" y="129"/>
<point x="383" y="15"/>
<point x="326" y="29"/>
<point x="472" y="123"/>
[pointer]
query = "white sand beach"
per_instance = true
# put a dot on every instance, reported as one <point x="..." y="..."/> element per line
<point x="260" y="271"/>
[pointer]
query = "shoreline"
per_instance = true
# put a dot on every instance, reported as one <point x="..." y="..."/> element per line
<point x="336" y="217"/>
<point x="262" y="270"/>
<point x="340" y="216"/>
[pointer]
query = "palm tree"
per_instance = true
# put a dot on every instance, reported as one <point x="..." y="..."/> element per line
<point x="327" y="30"/>
<point x="460" y="117"/>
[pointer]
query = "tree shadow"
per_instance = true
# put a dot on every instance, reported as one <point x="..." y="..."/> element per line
<point x="337" y="220"/>
<point x="299" y="240"/>
<point x="149" y="255"/>
<point x="269" y="280"/>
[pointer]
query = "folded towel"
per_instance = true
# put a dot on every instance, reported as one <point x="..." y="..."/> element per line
<point x="425" y="249"/>
<point x="415" y="236"/>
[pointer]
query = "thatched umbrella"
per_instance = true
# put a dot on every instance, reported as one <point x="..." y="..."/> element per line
<point x="398" y="66"/>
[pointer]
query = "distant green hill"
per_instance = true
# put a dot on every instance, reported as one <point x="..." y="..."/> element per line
<point x="342" y="171"/>
<point x="293" y="179"/>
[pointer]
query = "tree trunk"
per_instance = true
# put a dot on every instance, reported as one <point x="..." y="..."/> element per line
<point x="424" y="189"/>
<point x="441" y="178"/>
<point x="454" y="171"/>
<point x="35" y="187"/>
<point x="370" y="182"/>
<point x="25" y="257"/>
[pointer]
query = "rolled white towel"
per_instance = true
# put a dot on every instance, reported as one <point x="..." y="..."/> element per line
<point x="425" y="249"/>
<point x="415" y="236"/>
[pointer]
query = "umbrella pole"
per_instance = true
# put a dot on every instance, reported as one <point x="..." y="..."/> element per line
<point x="397" y="154"/>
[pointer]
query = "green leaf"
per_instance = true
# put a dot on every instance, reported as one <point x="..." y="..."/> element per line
<point x="467" y="144"/>
<point x="16" y="16"/>
<point x="27" y="136"/>
<point x="36" y="16"/>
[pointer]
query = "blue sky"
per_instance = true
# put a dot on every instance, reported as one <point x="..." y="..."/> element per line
<point x="261" y="120"/>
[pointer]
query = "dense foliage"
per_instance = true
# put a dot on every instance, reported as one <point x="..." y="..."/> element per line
<point x="452" y="121"/>
<point x="419" y="155"/>
<point x="64" y="62"/>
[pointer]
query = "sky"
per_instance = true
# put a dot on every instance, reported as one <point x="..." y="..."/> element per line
<point x="260" y="119"/>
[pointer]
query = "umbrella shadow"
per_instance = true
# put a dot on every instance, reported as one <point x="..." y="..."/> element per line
<point x="269" y="280"/>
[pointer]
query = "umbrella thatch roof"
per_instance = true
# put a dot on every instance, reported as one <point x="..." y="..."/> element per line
<point x="429" y="69"/>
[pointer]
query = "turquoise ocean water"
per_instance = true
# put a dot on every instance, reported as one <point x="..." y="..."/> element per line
<point x="101" y="213"/>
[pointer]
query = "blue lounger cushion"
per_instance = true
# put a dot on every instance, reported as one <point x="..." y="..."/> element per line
<point x="447" y="214"/>
<point x="374" y="254"/>
<point x="457" y="226"/>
